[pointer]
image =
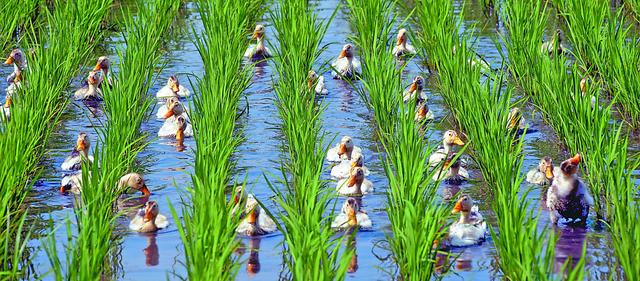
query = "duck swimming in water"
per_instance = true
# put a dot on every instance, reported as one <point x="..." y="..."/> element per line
<point x="568" y="197"/>
<point x="258" y="51"/>
<point x="351" y="216"/>
<point x="80" y="152"/>
<point x="318" y="81"/>
<point x="129" y="182"/>
<point x="543" y="174"/>
<point x="343" y="170"/>
<point x="172" y="107"/>
<point x="355" y="185"/>
<point x="449" y="140"/>
<point x="553" y="46"/>
<point x="103" y="66"/>
<point x="173" y="88"/>
<point x="255" y="222"/>
<point x="403" y="48"/>
<point x="19" y="62"/>
<point x="423" y="113"/>
<point x="471" y="228"/>
<point x="346" y="66"/>
<point x="343" y="151"/>
<point x="148" y="219"/>
<point x="176" y="121"/>
<point x="91" y="91"/>
<point x="451" y="173"/>
<point x="415" y="90"/>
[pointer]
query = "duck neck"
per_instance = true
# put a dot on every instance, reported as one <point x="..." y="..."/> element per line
<point x="454" y="171"/>
<point x="447" y="147"/>
<point x="464" y="217"/>
<point x="260" y="44"/>
<point x="92" y="89"/>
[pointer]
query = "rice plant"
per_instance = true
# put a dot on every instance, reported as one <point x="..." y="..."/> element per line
<point x="415" y="215"/>
<point x="126" y="106"/>
<point x="312" y="251"/>
<point x="36" y="110"/>
<point x="15" y="16"/>
<point x="207" y="214"/>
<point x="436" y="19"/>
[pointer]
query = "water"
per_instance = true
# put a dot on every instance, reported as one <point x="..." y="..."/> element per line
<point x="158" y="256"/>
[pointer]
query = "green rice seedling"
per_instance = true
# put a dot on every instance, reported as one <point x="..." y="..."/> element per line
<point x="436" y="18"/>
<point x="207" y="214"/>
<point x="15" y="16"/>
<point x="312" y="250"/>
<point x="634" y="7"/>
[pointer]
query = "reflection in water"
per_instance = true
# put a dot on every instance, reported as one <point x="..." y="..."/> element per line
<point x="353" y="263"/>
<point x="253" y="265"/>
<point x="450" y="191"/>
<point x="569" y="246"/>
<point x="151" y="254"/>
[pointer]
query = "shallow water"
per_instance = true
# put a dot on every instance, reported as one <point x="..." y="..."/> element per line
<point x="158" y="256"/>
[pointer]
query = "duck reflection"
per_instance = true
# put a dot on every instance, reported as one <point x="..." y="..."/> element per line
<point x="353" y="263"/>
<point x="569" y="247"/>
<point x="253" y="265"/>
<point x="151" y="251"/>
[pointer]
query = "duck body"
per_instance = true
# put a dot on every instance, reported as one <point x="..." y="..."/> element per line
<point x="73" y="162"/>
<point x="348" y="68"/>
<point x="258" y="51"/>
<point x="171" y="126"/>
<point x="72" y="183"/>
<point x="166" y="92"/>
<point x="320" y="88"/>
<point x="344" y="150"/>
<point x="452" y="176"/>
<point x="255" y="222"/>
<point x="468" y="234"/>
<point x="342" y="170"/>
<point x="90" y="91"/>
<point x="344" y="189"/>
<point x="148" y="220"/>
<point x="568" y="198"/>
<point x="13" y="88"/>
<point x="402" y="48"/>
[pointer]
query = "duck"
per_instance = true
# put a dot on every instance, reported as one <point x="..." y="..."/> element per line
<point x="451" y="172"/>
<point x="71" y="182"/>
<point x="470" y="229"/>
<point x="16" y="85"/>
<point x="255" y="222"/>
<point x="172" y="107"/>
<point x="19" y="62"/>
<point x="343" y="151"/>
<point x="351" y="216"/>
<point x="583" y="90"/>
<point x="103" y="64"/>
<point x="553" y="46"/>
<point x="423" y="113"/>
<point x="346" y="66"/>
<point x="173" y="88"/>
<point x="258" y="51"/>
<point x="403" y="48"/>
<point x="342" y="170"/>
<point x="449" y="140"/>
<point x="129" y="182"/>
<point x="355" y="185"/>
<point x="319" y="88"/>
<point x="515" y="121"/>
<point x="415" y="90"/>
<point x="6" y="108"/>
<point x="81" y="151"/>
<point x="148" y="219"/>
<point x="178" y="127"/>
<point x="90" y="91"/>
<point x="568" y="196"/>
<point x="543" y="174"/>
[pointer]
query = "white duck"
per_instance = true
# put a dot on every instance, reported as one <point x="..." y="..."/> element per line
<point x="423" y="113"/>
<point x="19" y="61"/>
<point x="91" y="90"/>
<point x="81" y="151"/>
<point x="471" y="228"/>
<point x="355" y="185"/>
<point x="258" y="51"/>
<point x="415" y="90"/>
<point x="173" y="88"/>
<point x="255" y="222"/>
<point x="6" y="108"/>
<point x="148" y="219"/>
<point x="543" y="173"/>
<point x="351" y="216"/>
<point x="403" y="48"/>
<point x="176" y="121"/>
<point x="583" y="90"/>
<point x="103" y="65"/>
<point x="451" y="173"/>
<point x="568" y="196"/>
<point x="346" y="66"/>
<point x="343" y="151"/>
<point x="319" y="87"/>
<point x="553" y="46"/>
<point x="343" y="170"/>
<point x="449" y="140"/>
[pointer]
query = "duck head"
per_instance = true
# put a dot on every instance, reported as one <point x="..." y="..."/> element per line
<point x="239" y="195"/>
<point x="402" y="37"/>
<point x="583" y="85"/>
<point x="8" y="102"/>
<point x="94" y="78"/>
<point x="451" y="138"/>
<point x="514" y="118"/>
<point x="356" y="177"/>
<point x="258" y="32"/>
<point x="546" y="166"/>
<point x="135" y="181"/>
<point x="82" y="143"/>
<point x="173" y="84"/>
<point x="174" y="107"/>
<point x="346" y="146"/>
<point x="417" y="84"/>
<point x="351" y="208"/>
<point x="16" y="57"/>
<point x="357" y="160"/>
<point x="102" y="64"/>
<point x="463" y="205"/>
<point x="347" y="51"/>
<point x="312" y="76"/>
<point x="151" y="211"/>
<point x="569" y="167"/>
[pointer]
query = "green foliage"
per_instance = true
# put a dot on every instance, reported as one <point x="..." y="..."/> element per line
<point x="15" y="15"/>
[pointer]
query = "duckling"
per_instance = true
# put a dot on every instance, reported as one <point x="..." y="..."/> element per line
<point x="255" y="222"/>
<point x="568" y="196"/>
<point x="351" y="216"/>
<point x="543" y="174"/>
<point x="515" y="120"/>
<point x="342" y="170"/>
<point x="91" y="91"/>
<point x="148" y="219"/>
<point x="449" y="140"/>
<point x="346" y="66"/>
<point x="415" y="90"/>
<point x="554" y="46"/>
<point x="258" y="51"/>
<point x="423" y="113"/>
<point x="81" y="151"/>
<point x="19" y="61"/>
<point x="343" y="151"/>
<point x="16" y="85"/>
<point x="176" y="126"/>
<point x="173" y="88"/>
<point x="355" y="185"/>
<point x="103" y="65"/>
<point x="312" y="79"/>
<point x="471" y="228"/>
<point x="7" y="107"/>
<point x="451" y="172"/>
<point x="403" y="48"/>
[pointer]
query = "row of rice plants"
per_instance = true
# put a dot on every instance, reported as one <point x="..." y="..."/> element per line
<point x="208" y="229"/>
<point x="36" y="109"/>
<point x="15" y="16"/>
<point x="416" y="216"/>
<point x="126" y="106"/>
<point x="303" y="198"/>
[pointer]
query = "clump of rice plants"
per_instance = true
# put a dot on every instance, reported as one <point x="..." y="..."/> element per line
<point x="437" y="19"/>
<point x="126" y="105"/>
<point x="37" y="108"/>
<point x="313" y="253"/>
<point x="15" y="16"/>
<point x="208" y="232"/>
<point x="415" y="215"/>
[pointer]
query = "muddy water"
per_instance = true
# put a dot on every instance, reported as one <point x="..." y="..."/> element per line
<point x="158" y="256"/>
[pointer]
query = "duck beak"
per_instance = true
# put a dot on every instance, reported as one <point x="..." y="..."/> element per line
<point x="458" y="141"/>
<point x="62" y="189"/>
<point x="9" y="60"/>
<point x="342" y="149"/>
<point x="252" y="217"/>
<point x="145" y="190"/>
<point x="8" y="102"/>
<point x="351" y="215"/>
<point x="255" y="35"/>
<point x="549" y="172"/>
<point x="169" y="112"/>
<point x="81" y="145"/>
<point x="413" y="87"/>
<point x="343" y="54"/>
<point x="310" y="83"/>
<point x="352" y="181"/>
<point x="575" y="160"/>
<point x="457" y="208"/>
